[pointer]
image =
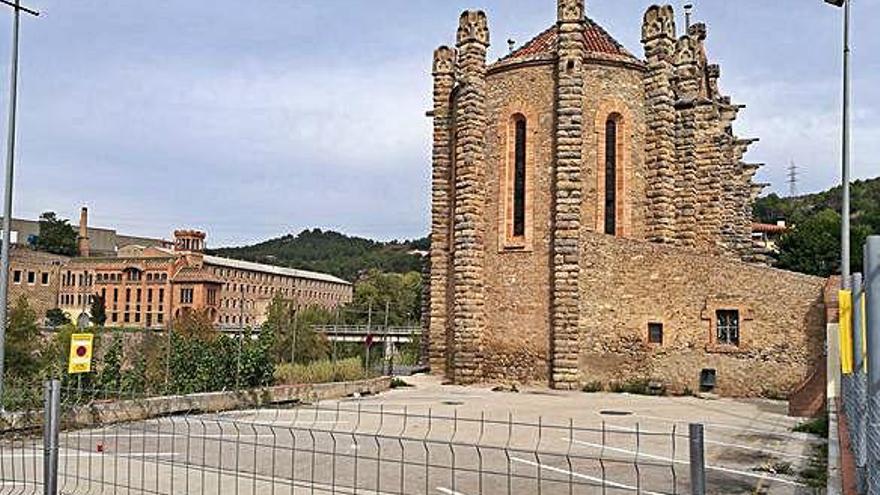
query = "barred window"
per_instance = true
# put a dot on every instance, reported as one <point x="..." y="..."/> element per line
<point x="727" y="327"/>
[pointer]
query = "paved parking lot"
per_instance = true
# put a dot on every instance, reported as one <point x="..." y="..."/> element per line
<point x="437" y="439"/>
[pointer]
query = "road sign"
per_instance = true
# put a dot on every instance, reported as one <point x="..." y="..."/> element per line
<point x="80" y="353"/>
<point x="369" y="340"/>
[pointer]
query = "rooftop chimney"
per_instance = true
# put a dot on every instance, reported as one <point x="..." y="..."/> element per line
<point x="82" y="241"/>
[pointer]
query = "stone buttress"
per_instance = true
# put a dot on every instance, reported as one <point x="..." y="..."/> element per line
<point x="469" y="319"/>
<point x="441" y="206"/>
<point x="567" y="194"/>
<point x="658" y="37"/>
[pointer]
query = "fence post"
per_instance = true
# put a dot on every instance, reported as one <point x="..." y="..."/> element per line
<point x="51" y="426"/>
<point x="872" y="313"/>
<point x="698" y="461"/>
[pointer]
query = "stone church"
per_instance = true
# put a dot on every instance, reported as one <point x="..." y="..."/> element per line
<point x="591" y="219"/>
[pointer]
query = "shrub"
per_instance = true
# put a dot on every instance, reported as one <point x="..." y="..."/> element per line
<point x="319" y="372"/>
<point x="817" y="426"/>
<point x="593" y="387"/>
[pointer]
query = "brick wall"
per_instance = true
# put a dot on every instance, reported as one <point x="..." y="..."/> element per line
<point x="42" y="292"/>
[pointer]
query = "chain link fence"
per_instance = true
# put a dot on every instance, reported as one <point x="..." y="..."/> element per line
<point x="860" y="386"/>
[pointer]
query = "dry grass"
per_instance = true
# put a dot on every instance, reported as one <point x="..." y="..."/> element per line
<point x="320" y="372"/>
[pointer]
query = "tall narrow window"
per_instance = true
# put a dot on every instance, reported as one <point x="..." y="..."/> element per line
<point x="519" y="180"/>
<point x="611" y="176"/>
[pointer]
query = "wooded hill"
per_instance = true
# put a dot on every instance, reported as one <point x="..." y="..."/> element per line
<point x="345" y="256"/>
<point x="812" y="246"/>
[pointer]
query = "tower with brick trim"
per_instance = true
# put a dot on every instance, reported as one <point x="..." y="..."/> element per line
<point x="569" y="163"/>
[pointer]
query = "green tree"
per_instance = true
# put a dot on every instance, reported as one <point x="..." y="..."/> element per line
<point x="98" y="311"/>
<point x="292" y="333"/>
<point x="813" y="245"/>
<point x="401" y="293"/>
<point x="23" y="344"/>
<point x="56" y="317"/>
<point x="56" y="235"/>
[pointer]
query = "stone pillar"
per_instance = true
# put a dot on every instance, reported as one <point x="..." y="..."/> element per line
<point x="687" y="88"/>
<point x="568" y="182"/>
<point x="708" y="131"/>
<point x="441" y="208"/>
<point x="658" y="38"/>
<point x="470" y="196"/>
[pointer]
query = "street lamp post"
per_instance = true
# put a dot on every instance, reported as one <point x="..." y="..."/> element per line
<point x="7" y="200"/>
<point x="845" y="158"/>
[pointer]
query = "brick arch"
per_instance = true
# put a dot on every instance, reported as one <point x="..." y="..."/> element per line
<point x="618" y="110"/>
<point x="507" y="132"/>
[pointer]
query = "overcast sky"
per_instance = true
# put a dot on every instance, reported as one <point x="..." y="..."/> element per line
<point x="254" y="119"/>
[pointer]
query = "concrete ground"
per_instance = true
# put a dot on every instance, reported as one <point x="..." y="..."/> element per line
<point x="435" y="439"/>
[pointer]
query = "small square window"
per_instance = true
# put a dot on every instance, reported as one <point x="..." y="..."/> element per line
<point x="655" y="333"/>
<point x="32" y="278"/>
<point x="727" y="326"/>
<point x="16" y="276"/>
<point x="44" y="278"/>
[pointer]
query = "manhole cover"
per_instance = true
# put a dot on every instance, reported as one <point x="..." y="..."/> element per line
<point x="615" y="413"/>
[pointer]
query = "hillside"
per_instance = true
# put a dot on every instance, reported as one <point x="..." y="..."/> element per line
<point x="865" y="205"/>
<point x="331" y="252"/>
<point x="813" y="244"/>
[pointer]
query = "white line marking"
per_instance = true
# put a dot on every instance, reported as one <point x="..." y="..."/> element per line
<point x="724" y="426"/>
<point x="756" y="449"/>
<point x="612" y="484"/>
<point x="679" y="461"/>
<point x="447" y="491"/>
<point x="72" y="453"/>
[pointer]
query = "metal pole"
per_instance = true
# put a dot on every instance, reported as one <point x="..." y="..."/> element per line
<point x="293" y="337"/>
<point x="872" y="314"/>
<point x="240" y="336"/>
<point x="7" y="199"/>
<point x="698" y="461"/>
<point x="386" y="343"/>
<point x="51" y="427"/>
<point x="845" y="206"/>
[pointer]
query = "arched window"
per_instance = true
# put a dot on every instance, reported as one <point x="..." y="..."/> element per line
<point x="519" y="177"/>
<point x="611" y="175"/>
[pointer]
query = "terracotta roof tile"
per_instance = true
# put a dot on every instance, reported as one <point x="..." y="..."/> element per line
<point x="596" y="41"/>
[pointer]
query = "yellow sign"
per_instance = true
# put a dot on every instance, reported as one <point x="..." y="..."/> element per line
<point x="846" y="331"/>
<point x="80" y="353"/>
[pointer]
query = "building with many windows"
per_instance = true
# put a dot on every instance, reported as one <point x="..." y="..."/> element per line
<point x="146" y="287"/>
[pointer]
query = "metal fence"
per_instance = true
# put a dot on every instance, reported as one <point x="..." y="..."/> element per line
<point x="88" y="443"/>
<point x="860" y="388"/>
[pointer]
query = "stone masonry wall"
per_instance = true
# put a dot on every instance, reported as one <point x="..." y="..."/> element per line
<point x="516" y="340"/>
<point x="470" y="196"/>
<point x="658" y="37"/>
<point x="633" y="283"/>
<point x="441" y="207"/>
<point x="568" y="196"/>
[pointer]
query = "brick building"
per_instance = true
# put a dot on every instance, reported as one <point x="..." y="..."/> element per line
<point x="609" y="196"/>
<point x="147" y="286"/>
<point x="36" y="276"/>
